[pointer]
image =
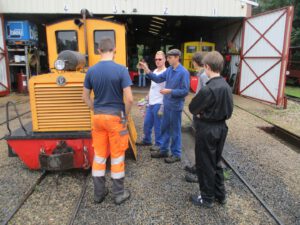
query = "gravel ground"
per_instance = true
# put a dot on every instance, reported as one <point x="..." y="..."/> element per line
<point x="281" y="117"/>
<point x="161" y="196"/>
<point x="15" y="180"/>
<point x="159" y="193"/>
<point x="270" y="166"/>
<point x="53" y="200"/>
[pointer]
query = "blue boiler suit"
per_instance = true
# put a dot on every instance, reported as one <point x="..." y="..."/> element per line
<point x="179" y="81"/>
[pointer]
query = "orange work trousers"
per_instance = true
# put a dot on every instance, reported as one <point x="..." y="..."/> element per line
<point x="110" y="138"/>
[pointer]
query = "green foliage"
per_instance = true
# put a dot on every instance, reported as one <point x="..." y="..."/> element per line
<point x="266" y="5"/>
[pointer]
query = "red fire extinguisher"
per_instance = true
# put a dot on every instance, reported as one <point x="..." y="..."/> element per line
<point x="22" y="82"/>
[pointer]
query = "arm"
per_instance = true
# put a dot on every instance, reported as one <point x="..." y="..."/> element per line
<point x="184" y="88"/>
<point x="86" y="97"/>
<point x="128" y="99"/>
<point x="87" y="88"/>
<point x="156" y="78"/>
<point x="127" y="93"/>
<point x="201" y="101"/>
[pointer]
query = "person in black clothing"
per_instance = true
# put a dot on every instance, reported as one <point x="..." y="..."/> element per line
<point x="212" y="106"/>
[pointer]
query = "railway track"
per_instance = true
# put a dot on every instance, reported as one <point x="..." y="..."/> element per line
<point x="24" y="198"/>
<point x="293" y="98"/>
<point x="244" y="181"/>
<point x="32" y="189"/>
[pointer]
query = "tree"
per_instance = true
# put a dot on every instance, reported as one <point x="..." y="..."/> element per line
<point x="265" y="5"/>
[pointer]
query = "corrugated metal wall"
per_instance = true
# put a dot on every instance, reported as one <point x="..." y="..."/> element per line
<point x="219" y="8"/>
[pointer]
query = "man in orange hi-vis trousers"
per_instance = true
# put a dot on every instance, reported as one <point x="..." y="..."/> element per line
<point x="112" y="102"/>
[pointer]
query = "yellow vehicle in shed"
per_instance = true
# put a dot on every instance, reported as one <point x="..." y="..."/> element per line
<point x="189" y="48"/>
<point x="59" y="136"/>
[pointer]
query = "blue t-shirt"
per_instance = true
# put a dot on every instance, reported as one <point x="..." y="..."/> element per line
<point x="107" y="79"/>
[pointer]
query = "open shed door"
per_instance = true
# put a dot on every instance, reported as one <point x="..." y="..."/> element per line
<point x="4" y="81"/>
<point x="264" y="55"/>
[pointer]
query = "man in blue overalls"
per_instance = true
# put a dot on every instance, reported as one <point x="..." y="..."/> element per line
<point x="176" y="89"/>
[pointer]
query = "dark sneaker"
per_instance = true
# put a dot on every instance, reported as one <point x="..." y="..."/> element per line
<point x="100" y="200"/>
<point x="159" y="155"/>
<point x="191" y="178"/>
<point x="197" y="200"/>
<point x="155" y="149"/>
<point x="221" y="201"/>
<point x="172" y="159"/>
<point x="143" y="144"/>
<point x="122" y="198"/>
<point x="191" y="169"/>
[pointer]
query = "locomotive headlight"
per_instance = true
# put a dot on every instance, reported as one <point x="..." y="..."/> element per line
<point x="59" y="64"/>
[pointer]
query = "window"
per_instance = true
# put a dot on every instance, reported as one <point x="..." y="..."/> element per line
<point x="99" y="35"/>
<point x="66" y="40"/>
<point x="207" y="48"/>
<point x="191" y="49"/>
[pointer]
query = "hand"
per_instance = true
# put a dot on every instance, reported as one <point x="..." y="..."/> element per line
<point x="144" y="67"/>
<point x="165" y="91"/>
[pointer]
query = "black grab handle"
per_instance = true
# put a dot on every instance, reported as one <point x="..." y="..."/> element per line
<point x="18" y="116"/>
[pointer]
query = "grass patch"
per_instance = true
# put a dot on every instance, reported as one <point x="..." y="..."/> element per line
<point x="292" y="91"/>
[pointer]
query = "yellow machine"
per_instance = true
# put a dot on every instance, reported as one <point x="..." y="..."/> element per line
<point x="56" y="97"/>
<point x="189" y="48"/>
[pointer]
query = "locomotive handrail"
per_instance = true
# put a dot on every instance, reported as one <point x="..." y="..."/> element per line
<point x="18" y="116"/>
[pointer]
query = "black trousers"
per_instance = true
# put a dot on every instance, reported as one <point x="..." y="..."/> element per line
<point x="210" y="140"/>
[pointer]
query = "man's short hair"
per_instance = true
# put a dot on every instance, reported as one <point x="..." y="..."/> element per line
<point x="198" y="57"/>
<point x="214" y="60"/>
<point x="161" y="53"/>
<point x="106" y="45"/>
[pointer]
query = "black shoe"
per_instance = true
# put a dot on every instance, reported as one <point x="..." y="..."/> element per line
<point x="221" y="201"/>
<point x="122" y="198"/>
<point x="191" y="178"/>
<point x="143" y="144"/>
<point x="191" y="169"/>
<point x="100" y="200"/>
<point x="172" y="159"/>
<point x="197" y="200"/>
<point x="155" y="149"/>
<point x="159" y="155"/>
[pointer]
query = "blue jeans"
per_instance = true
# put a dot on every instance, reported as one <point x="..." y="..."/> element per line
<point x="152" y="119"/>
<point x="171" y="132"/>
<point x="142" y="80"/>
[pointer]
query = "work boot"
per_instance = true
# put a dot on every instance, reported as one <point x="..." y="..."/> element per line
<point x="199" y="201"/>
<point x="172" y="159"/>
<point x="99" y="189"/>
<point x="191" y="178"/>
<point x="119" y="199"/>
<point x="101" y="199"/>
<point x="191" y="169"/>
<point x="159" y="155"/>
<point x="221" y="200"/>
<point x="143" y="144"/>
<point x="120" y="195"/>
<point x="155" y="149"/>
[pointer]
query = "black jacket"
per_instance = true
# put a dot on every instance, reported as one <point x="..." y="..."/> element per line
<point x="213" y="102"/>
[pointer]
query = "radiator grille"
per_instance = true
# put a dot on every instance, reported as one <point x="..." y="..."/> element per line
<point x="60" y="108"/>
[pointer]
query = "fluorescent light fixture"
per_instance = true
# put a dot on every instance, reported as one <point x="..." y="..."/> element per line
<point x="108" y="17"/>
<point x="153" y="25"/>
<point x="155" y="29"/>
<point x="152" y="32"/>
<point x="157" y="22"/>
<point x="250" y="2"/>
<point x="158" y="18"/>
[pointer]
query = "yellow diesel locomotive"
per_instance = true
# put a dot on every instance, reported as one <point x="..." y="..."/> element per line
<point x="59" y="136"/>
